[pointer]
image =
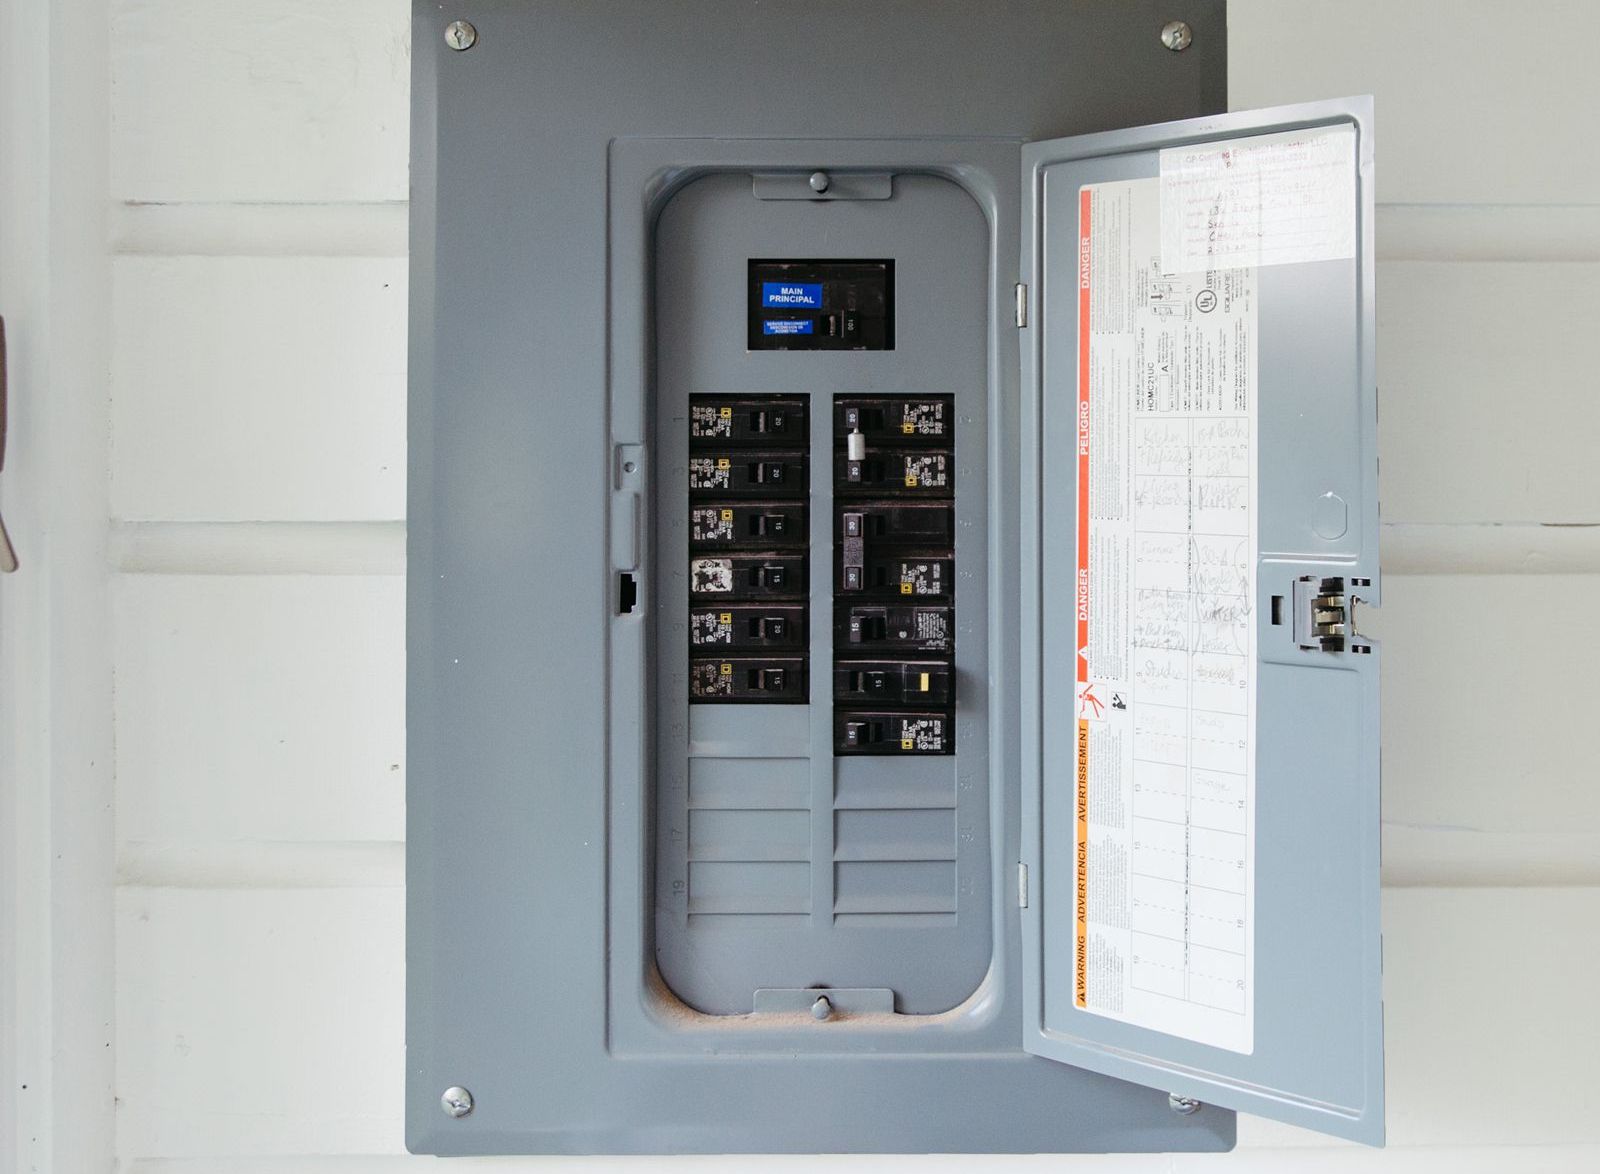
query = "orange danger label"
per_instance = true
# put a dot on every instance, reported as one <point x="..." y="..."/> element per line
<point x="1080" y="887"/>
<point x="1080" y="944"/>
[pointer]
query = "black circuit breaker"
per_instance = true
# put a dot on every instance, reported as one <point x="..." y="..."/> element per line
<point x="748" y="481"/>
<point x="894" y="682"/>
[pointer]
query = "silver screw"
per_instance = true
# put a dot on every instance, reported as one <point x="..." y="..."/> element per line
<point x="1176" y="35"/>
<point x="1182" y="1105"/>
<point x="821" y="1009"/>
<point x="819" y="181"/>
<point x="457" y="1101"/>
<point x="459" y="35"/>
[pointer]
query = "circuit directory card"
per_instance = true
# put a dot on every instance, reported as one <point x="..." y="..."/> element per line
<point x="1164" y="750"/>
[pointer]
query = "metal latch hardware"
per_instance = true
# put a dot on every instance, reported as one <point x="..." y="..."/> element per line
<point x="1324" y="616"/>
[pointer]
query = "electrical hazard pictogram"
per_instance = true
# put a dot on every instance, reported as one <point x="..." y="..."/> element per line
<point x="1088" y="704"/>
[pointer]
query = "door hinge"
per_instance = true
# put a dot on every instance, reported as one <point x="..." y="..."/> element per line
<point x="1022" y="305"/>
<point x="8" y="556"/>
<point x="1022" y="885"/>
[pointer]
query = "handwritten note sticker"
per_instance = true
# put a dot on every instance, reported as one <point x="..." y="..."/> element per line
<point x="1266" y="200"/>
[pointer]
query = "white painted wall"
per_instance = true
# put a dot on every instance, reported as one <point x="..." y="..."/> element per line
<point x="254" y="300"/>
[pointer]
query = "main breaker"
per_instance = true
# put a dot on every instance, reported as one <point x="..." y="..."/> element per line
<point x="890" y="490"/>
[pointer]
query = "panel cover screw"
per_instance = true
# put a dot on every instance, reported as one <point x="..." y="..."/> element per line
<point x="457" y="1101"/>
<point x="819" y="181"/>
<point x="459" y="34"/>
<point x="821" y="1009"/>
<point x="1183" y="1105"/>
<point x="1176" y="35"/>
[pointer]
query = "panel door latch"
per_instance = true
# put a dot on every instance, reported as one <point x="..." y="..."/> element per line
<point x="1324" y="615"/>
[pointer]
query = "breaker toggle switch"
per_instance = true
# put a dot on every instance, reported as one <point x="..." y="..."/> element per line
<point x="773" y="629"/>
<point x="863" y="419"/>
<point x="769" y="526"/>
<point x="773" y="421"/>
<point x="858" y="734"/>
<point x="860" y="471"/>
<point x="922" y="523"/>
<point x="869" y="683"/>
<point x="769" y="577"/>
<point x="853" y="551"/>
<point x="868" y="627"/>
<point x="768" y="680"/>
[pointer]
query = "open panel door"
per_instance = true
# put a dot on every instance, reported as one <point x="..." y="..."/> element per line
<point x="1200" y="516"/>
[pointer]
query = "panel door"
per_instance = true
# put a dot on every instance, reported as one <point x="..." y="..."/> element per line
<point x="1201" y="834"/>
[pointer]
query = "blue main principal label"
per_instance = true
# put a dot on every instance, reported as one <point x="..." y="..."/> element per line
<point x="786" y="295"/>
<point x="788" y="325"/>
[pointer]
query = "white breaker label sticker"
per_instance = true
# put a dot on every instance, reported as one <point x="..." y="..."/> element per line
<point x="1164" y="752"/>
<point x="1265" y="200"/>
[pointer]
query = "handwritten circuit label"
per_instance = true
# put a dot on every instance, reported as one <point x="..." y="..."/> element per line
<point x="1266" y="200"/>
<point x="1165" y="692"/>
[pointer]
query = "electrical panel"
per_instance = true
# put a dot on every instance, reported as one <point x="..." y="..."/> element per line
<point x="884" y="585"/>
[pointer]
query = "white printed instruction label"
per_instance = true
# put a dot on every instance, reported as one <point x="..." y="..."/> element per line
<point x="1266" y="200"/>
<point x="1164" y="752"/>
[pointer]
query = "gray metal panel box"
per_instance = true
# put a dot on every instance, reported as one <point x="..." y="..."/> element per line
<point x="662" y="796"/>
